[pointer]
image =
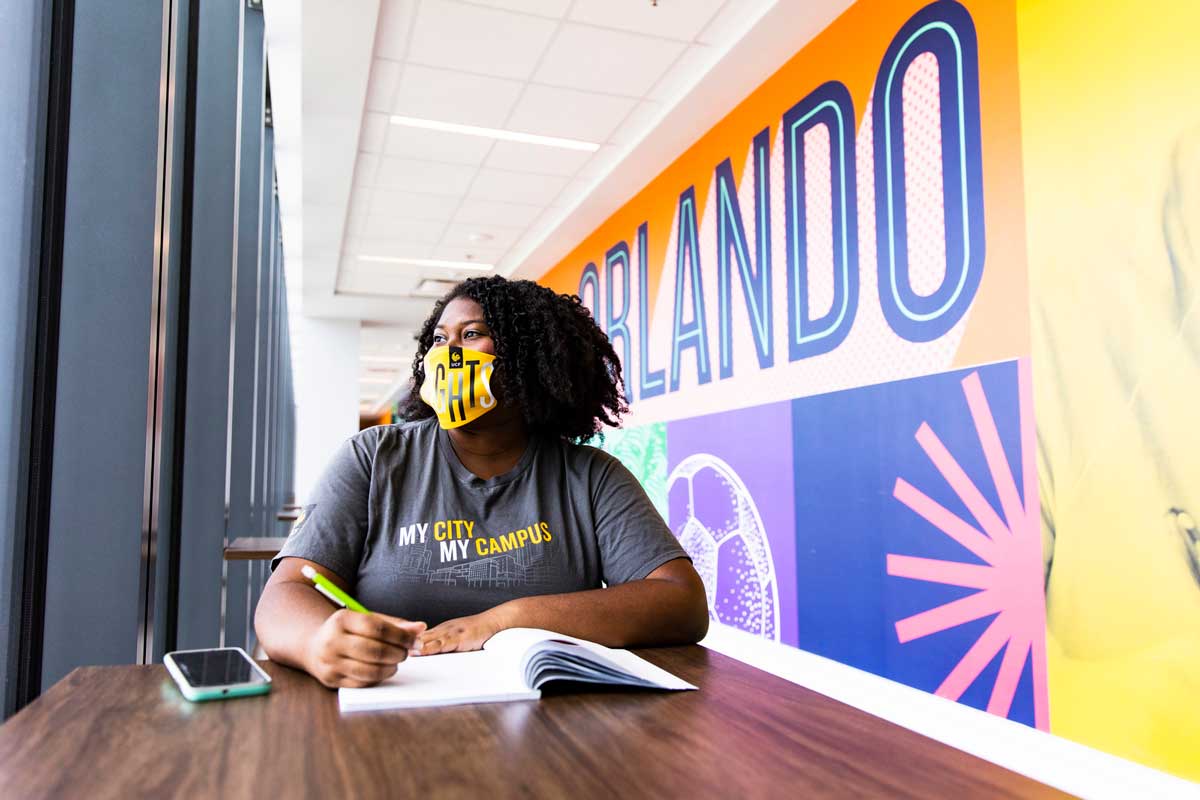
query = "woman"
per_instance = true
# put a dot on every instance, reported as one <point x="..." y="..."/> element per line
<point x="482" y="512"/>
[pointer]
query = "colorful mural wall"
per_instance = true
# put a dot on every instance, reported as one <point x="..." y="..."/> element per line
<point x="835" y="329"/>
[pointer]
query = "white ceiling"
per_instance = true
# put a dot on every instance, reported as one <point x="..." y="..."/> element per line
<point x="623" y="74"/>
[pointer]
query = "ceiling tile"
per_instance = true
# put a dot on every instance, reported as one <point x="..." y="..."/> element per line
<point x="480" y="255"/>
<point x="424" y="176"/>
<point x="381" y="88"/>
<point x="486" y="212"/>
<point x="521" y="157"/>
<point x="550" y="111"/>
<point x="405" y="272"/>
<point x="672" y="20"/>
<point x="451" y="96"/>
<point x="685" y="73"/>
<point x="390" y="248"/>
<point x="500" y="238"/>
<point x="370" y="138"/>
<point x="476" y="39"/>
<point x="606" y="61"/>
<point x="452" y="148"/>
<point x="386" y="227"/>
<point x="542" y="8"/>
<point x="515" y="187"/>
<point x="639" y="121"/>
<point x="374" y="282"/>
<point x="434" y="208"/>
<point x="355" y="270"/>
<point x="391" y="33"/>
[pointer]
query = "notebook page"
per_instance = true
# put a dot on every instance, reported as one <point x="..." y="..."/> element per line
<point x="442" y="680"/>
<point x="515" y="641"/>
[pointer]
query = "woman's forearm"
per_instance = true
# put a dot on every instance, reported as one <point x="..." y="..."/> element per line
<point x="288" y="615"/>
<point x="668" y="607"/>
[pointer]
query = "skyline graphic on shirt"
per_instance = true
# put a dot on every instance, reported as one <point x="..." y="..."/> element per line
<point x="529" y="565"/>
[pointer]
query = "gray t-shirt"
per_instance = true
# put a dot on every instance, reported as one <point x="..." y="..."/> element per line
<point x="419" y="536"/>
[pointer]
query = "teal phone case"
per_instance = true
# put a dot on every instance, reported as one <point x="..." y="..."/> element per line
<point x="200" y="694"/>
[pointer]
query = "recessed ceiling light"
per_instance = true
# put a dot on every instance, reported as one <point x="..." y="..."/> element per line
<point x="430" y="262"/>
<point x="495" y="133"/>
<point x="479" y="238"/>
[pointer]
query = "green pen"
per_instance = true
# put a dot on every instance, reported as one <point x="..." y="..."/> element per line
<point x="327" y="588"/>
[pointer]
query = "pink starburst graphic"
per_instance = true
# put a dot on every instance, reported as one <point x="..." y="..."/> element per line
<point x="1009" y="582"/>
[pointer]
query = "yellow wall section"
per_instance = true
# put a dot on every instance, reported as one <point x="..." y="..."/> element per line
<point x="1110" y="118"/>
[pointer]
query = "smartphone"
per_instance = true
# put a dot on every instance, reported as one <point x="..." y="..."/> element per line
<point x="216" y="674"/>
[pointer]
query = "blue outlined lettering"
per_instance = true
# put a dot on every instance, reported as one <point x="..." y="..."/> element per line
<point x="590" y="277"/>
<point x="692" y="334"/>
<point x="652" y="382"/>
<point x="731" y="237"/>
<point x="946" y="30"/>
<point x="830" y="105"/>
<point x="617" y="324"/>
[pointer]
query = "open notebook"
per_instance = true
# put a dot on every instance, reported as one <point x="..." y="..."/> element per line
<point x="514" y="665"/>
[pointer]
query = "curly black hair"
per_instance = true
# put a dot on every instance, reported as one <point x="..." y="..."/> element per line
<point x="552" y="360"/>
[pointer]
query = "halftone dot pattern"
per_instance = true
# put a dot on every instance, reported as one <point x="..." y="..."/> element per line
<point x="923" y="175"/>
<point x="818" y="217"/>
<point x="722" y="530"/>
<point x="701" y="547"/>
<point x="871" y="353"/>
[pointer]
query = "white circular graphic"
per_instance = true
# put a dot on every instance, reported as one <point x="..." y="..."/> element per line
<point x="723" y="533"/>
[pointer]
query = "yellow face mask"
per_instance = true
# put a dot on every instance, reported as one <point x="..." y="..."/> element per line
<point x="458" y="385"/>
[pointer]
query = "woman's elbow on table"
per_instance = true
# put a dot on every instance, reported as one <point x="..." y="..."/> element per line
<point x="690" y="610"/>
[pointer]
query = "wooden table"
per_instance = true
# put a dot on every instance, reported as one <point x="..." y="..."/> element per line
<point x="122" y="732"/>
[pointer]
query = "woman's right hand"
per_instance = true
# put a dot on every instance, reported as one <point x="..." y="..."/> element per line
<point x="355" y="650"/>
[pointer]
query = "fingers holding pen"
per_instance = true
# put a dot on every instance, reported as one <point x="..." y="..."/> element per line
<point x="395" y="631"/>
<point x="356" y="649"/>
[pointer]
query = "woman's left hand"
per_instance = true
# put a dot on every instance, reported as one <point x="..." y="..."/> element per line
<point x="459" y="635"/>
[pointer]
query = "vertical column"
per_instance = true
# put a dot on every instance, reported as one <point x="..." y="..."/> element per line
<point x="283" y="377"/>
<point x="264" y="340"/>
<point x="239" y="472"/>
<point x="22" y="77"/>
<point x="215" y="186"/>
<point x="328" y="385"/>
<point x="112" y="261"/>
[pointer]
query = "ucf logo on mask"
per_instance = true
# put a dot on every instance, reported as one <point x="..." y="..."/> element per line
<point x="458" y="385"/>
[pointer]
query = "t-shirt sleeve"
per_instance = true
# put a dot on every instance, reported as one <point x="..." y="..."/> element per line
<point x="332" y="527"/>
<point x="634" y="540"/>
